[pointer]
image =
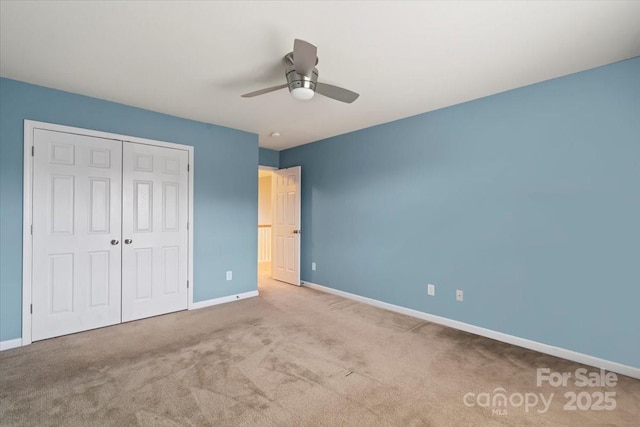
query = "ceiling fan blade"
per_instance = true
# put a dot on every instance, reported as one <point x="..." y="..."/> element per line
<point x="337" y="93"/>
<point x="263" y="91"/>
<point x="305" y="57"/>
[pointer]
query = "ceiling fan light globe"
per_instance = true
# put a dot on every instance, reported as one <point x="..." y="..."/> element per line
<point x="302" y="93"/>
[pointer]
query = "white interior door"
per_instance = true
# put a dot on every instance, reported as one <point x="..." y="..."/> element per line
<point x="154" y="230"/>
<point x="285" y="219"/>
<point x="76" y="233"/>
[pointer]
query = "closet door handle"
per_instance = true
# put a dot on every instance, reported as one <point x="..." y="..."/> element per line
<point x="128" y="241"/>
<point x="115" y="242"/>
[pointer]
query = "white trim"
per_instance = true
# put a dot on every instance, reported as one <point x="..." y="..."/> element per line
<point x="27" y="244"/>
<point x="27" y="249"/>
<point x="222" y="300"/>
<point x="190" y="252"/>
<point x="9" y="344"/>
<point x="498" y="336"/>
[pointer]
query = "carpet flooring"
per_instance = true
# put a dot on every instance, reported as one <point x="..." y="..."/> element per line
<point x="293" y="357"/>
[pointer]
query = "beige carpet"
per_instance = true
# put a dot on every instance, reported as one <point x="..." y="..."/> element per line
<point x="292" y="356"/>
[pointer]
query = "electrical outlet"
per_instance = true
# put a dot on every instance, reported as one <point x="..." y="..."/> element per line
<point x="313" y="266"/>
<point x="229" y="275"/>
<point x="431" y="289"/>
<point x="459" y="295"/>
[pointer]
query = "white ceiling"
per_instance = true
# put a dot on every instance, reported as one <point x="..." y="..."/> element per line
<point x="195" y="59"/>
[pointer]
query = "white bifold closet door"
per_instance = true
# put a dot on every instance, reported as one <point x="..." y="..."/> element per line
<point x="76" y="232"/>
<point x="154" y="230"/>
<point x="109" y="232"/>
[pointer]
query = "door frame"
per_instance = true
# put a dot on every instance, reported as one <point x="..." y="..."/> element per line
<point x="27" y="207"/>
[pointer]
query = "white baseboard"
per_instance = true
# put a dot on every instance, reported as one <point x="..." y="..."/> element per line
<point x="222" y="300"/>
<point x="9" y="344"/>
<point x="498" y="336"/>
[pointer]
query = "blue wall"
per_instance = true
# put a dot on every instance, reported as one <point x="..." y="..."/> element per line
<point x="528" y="200"/>
<point x="226" y="187"/>
<point x="269" y="158"/>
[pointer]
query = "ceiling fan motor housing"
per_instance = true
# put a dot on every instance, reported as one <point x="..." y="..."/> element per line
<point x="295" y="80"/>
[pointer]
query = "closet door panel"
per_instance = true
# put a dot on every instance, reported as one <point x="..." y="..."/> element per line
<point x="76" y="265"/>
<point x="155" y="212"/>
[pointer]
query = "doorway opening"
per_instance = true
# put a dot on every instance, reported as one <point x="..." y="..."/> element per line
<point x="265" y="176"/>
<point x="279" y="224"/>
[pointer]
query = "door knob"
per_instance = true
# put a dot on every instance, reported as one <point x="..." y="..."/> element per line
<point x="297" y="231"/>
<point x="115" y="242"/>
<point x="128" y="241"/>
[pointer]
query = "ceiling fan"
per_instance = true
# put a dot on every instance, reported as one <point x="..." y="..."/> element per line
<point x="302" y="77"/>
